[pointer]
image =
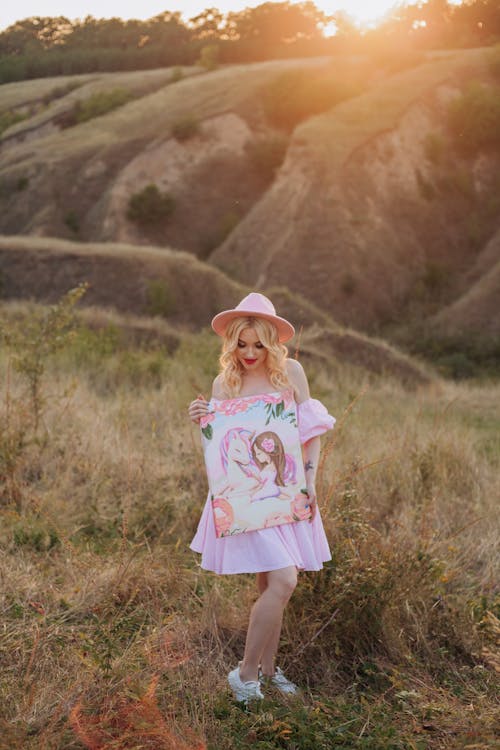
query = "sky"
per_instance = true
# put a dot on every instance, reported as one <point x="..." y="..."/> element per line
<point x="362" y="10"/>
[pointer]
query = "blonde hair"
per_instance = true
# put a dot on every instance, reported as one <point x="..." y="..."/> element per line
<point x="231" y="370"/>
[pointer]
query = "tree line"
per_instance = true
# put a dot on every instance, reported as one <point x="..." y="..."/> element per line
<point x="47" y="46"/>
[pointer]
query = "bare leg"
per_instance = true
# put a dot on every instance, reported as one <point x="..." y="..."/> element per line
<point x="266" y="618"/>
<point x="271" y="647"/>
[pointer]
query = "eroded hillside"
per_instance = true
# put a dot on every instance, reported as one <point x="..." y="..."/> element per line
<point x="362" y="215"/>
<point x="373" y="216"/>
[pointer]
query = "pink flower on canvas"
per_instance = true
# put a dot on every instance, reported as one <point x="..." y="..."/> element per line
<point x="300" y="507"/>
<point x="223" y="515"/>
<point x="234" y="406"/>
<point x="268" y="445"/>
<point x="206" y="419"/>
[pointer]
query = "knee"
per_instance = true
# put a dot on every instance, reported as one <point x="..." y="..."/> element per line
<point x="285" y="583"/>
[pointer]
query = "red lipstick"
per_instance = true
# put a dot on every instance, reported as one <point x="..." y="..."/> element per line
<point x="249" y="361"/>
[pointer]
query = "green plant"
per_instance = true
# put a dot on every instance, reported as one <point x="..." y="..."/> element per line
<point x="72" y="221"/>
<point x="22" y="183"/>
<point x="266" y="154"/>
<point x="348" y="284"/>
<point x="34" y="340"/>
<point x="297" y="94"/>
<point x="177" y="74"/>
<point x="186" y="127"/>
<point x="32" y="533"/>
<point x="160" y="298"/>
<point x="9" y="118"/>
<point x="150" y="206"/>
<point x="95" y="105"/>
<point x="494" y="60"/>
<point x="426" y="188"/>
<point x="434" y="148"/>
<point x="473" y="118"/>
<point x="209" y="56"/>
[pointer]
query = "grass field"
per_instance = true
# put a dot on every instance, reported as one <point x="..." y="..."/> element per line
<point x="113" y="637"/>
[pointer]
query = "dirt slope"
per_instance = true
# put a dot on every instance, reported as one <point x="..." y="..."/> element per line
<point x="126" y="282"/>
<point x="358" y="213"/>
<point x="120" y="276"/>
<point x="62" y="184"/>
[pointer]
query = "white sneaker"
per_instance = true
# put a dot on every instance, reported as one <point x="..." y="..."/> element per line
<point x="244" y="691"/>
<point x="282" y="683"/>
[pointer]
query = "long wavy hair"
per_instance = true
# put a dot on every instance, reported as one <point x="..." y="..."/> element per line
<point x="270" y="444"/>
<point x="232" y="370"/>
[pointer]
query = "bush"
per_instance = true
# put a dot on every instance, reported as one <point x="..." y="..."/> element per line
<point x="150" y="206"/>
<point x="9" y="118"/>
<point x="161" y="300"/>
<point x="177" y="74"/>
<point x="474" y="118"/>
<point x="434" y="147"/>
<point x="186" y="127"/>
<point x="426" y="188"/>
<point x="266" y="154"/>
<point x="495" y="61"/>
<point x="72" y="221"/>
<point x="22" y="183"/>
<point x="209" y="56"/>
<point x="297" y="94"/>
<point x="96" y="105"/>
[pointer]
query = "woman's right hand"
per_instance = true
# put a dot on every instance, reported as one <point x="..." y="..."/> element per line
<point x="197" y="409"/>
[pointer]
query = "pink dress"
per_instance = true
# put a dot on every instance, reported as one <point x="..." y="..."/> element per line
<point x="303" y="544"/>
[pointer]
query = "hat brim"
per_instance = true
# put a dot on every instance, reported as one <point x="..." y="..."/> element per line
<point x="223" y="319"/>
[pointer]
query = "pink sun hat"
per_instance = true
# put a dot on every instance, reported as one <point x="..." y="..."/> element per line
<point x="254" y="305"/>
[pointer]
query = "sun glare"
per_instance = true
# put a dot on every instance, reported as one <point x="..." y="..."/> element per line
<point x="363" y="11"/>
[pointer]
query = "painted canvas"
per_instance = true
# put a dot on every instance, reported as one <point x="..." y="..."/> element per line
<point x="254" y="463"/>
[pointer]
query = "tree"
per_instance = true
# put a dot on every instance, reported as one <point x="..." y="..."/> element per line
<point x="276" y="23"/>
<point x="207" y="25"/>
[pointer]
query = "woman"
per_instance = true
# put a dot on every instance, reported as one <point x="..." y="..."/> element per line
<point x="255" y="361"/>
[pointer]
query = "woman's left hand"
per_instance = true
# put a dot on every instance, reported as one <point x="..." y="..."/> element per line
<point x="311" y="491"/>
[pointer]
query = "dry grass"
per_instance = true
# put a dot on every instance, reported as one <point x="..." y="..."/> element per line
<point x="114" y="638"/>
<point x="211" y="94"/>
<point x="120" y="277"/>
<point x="32" y="93"/>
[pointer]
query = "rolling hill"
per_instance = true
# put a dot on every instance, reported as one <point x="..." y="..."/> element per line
<point x="134" y="289"/>
<point x="373" y="217"/>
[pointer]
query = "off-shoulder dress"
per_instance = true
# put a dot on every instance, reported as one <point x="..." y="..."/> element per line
<point x="303" y="544"/>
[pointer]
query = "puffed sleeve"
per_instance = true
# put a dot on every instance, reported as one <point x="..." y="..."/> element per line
<point x="313" y="419"/>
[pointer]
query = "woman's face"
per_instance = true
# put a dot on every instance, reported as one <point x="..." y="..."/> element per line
<point x="251" y="353"/>
<point x="262" y="456"/>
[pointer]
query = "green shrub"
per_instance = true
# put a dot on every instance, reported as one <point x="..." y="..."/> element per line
<point x="473" y="118"/>
<point x="96" y="105"/>
<point x="150" y="206"/>
<point x="458" y="180"/>
<point x="434" y="147"/>
<point x="60" y="91"/>
<point x="494" y="59"/>
<point x="177" y="74"/>
<point x="297" y="94"/>
<point x="266" y="154"/>
<point x="426" y="188"/>
<point x="209" y="57"/>
<point x="186" y="127"/>
<point x="36" y="535"/>
<point x="72" y="221"/>
<point x="161" y="300"/>
<point x="22" y="183"/>
<point x="34" y="340"/>
<point x="8" y="118"/>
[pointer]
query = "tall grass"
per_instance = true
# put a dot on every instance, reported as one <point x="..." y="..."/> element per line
<point x="113" y="637"/>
